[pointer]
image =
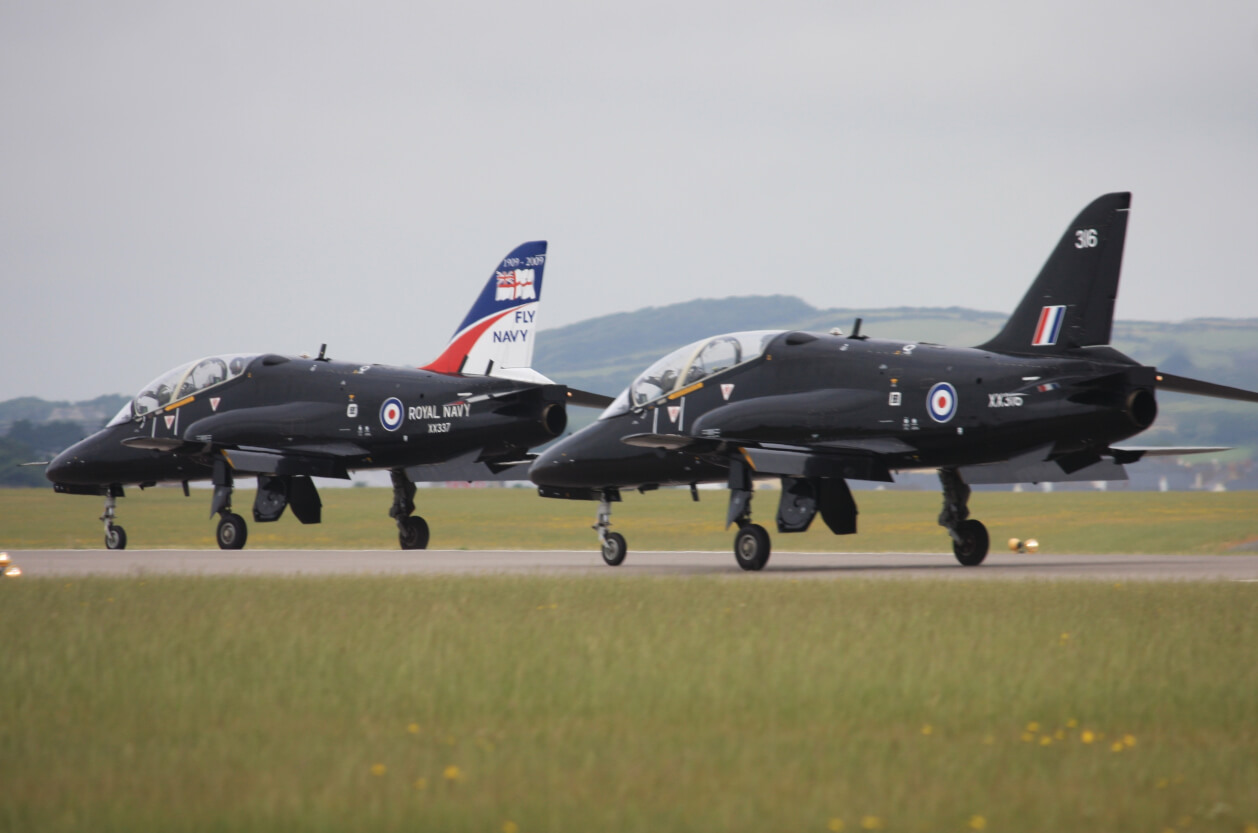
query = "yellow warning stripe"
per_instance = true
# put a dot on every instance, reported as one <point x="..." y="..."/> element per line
<point x="172" y="406"/>
<point x="227" y="458"/>
<point x="686" y="390"/>
<point x="747" y="457"/>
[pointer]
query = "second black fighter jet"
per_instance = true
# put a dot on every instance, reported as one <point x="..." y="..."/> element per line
<point x="1046" y="399"/>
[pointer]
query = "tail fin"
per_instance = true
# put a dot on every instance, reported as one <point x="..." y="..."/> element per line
<point x="498" y="331"/>
<point x="1071" y="303"/>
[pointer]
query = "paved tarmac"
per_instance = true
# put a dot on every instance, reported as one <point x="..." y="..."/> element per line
<point x="999" y="565"/>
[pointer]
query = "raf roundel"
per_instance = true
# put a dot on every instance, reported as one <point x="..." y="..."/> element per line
<point x="941" y="402"/>
<point x="391" y="413"/>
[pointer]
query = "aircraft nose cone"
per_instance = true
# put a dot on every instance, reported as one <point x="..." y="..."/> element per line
<point x="547" y="469"/>
<point x="59" y="469"/>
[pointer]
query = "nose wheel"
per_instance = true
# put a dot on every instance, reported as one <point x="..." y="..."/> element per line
<point x="612" y="544"/>
<point x="614" y="549"/>
<point x="115" y="535"/>
<point x="413" y="533"/>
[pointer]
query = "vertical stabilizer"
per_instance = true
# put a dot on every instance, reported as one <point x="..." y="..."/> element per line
<point x="1071" y="303"/>
<point x="498" y="331"/>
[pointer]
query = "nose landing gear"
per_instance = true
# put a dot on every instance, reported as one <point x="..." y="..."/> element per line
<point x="612" y="544"/>
<point x="115" y="535"/>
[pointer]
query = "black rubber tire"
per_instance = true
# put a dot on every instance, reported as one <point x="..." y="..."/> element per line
<point x="116" y="538"/>
<point x="751" y="547"/>
<point x="972" y="548"/>
<point x="413" y="533"/>
<point x="614" y="549"/>
<point x="232" y="532"/>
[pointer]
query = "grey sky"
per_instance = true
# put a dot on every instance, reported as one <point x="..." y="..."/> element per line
<point x="180" y="179"/>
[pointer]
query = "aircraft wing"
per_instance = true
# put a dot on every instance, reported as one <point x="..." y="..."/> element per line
<point x="470" y="468"/>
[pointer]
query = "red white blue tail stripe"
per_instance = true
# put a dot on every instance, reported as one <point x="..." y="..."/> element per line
<point x="498" y="331"/>
<point x="1049" y="328"/>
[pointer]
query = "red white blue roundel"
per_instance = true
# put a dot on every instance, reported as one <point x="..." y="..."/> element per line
<point x="942" y="402"/>
<point x="391" y="413"/>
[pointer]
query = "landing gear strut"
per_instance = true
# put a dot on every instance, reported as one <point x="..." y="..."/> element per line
<point x="232" y="531"/>
<point x="611" y="543"/>
<point x="412" y="530"/>
<point x="115" y="535"/>
<point x="969" y="537"/>
<point x="751" y="543"/>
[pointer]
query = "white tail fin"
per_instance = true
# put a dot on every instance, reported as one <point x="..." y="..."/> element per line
<point x="497" y="334"/>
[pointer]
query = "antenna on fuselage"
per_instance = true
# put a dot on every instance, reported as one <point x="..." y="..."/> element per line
<point x="323" y="349"/>
<point x="856" y="330"/>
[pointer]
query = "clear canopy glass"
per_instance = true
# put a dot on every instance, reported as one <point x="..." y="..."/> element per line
<point x="185" y="380"/>
<point x="687" y="365"/>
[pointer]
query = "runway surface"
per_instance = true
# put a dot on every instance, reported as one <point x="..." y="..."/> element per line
<point x="1000" y="565"/>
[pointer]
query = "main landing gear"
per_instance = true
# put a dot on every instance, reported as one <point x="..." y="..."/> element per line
<point x="969" y="537"/>
<point x="412" y="530"/>
<point x="115" y="535"/>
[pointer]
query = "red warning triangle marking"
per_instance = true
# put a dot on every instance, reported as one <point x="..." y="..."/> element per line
<point x="673" y="411"/>
<point x="214" y="400"/>
<point x="726" y="390"/>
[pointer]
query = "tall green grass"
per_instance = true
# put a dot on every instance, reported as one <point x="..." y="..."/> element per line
<point x="544" y="704"/>
<point x="1141" y="522"/>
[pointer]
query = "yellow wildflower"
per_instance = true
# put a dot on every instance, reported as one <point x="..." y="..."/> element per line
<point x="1163" y="783"/>
<point x="1033" y="726"/>
<point x="1087" y="736"/>
<point x="421" y="783"/>
<point x="452" y="773"/>
<point x="835" y="825"/>
<point x="1129" y="740"/>
<point x="413" y="728"/>
<point x="1046" y="741"/>
<point x="978" y="823"/>
<point x="509" y="826"/>
<point x="378" y="769"/>
<point x="1117" y="746"/>
<point x="927" y="729"/>
<point x="1072" y="724"/>
<point x="1251" y="828"/>
<point x="1027" y="737"/>
<point x="872" y="823"/>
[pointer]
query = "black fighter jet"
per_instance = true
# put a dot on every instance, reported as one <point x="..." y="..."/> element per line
<point x="475" y="411"/>
<point x="1045" y="400"/>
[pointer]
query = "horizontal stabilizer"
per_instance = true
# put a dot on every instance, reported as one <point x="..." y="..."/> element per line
<point x="1196" y="387"/>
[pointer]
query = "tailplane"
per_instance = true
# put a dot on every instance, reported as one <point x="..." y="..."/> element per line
<point x="1071" y="303"/>
<point x="497" y="333"/>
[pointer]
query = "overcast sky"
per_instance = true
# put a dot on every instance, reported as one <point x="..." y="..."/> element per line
<point x="181" y="179"/>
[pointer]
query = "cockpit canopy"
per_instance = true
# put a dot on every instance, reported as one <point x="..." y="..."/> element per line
<point x="690" y="364"/>
<point x="184" y="381"/>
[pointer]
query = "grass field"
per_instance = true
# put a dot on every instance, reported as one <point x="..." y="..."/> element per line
<point x="511" y="705"/>
<point x="1108" y="522"/>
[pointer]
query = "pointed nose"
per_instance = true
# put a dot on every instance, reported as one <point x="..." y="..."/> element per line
<point x="548" y="468"/>
<point x="62" y="467"/>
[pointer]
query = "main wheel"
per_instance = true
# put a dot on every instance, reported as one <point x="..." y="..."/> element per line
<point x="751" y="547"/>
<point x="413" y="533"/>
<point x="232" y="532"/>
<point x="972" y="548"/>
<point x="614" y="549"/>
<point x="116" y="538"/>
